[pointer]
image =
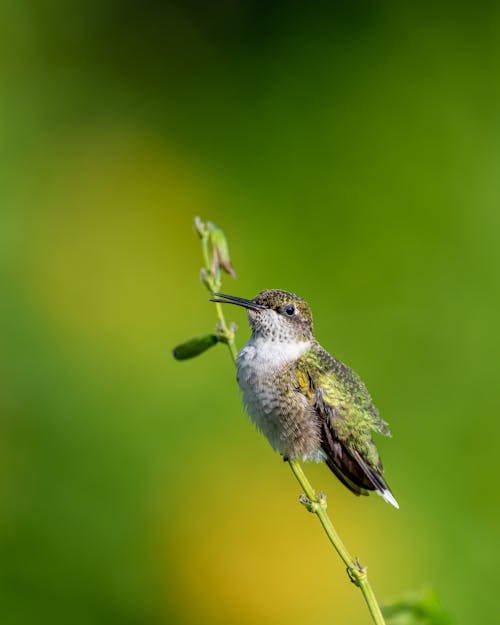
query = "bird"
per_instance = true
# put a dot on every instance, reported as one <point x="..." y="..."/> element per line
<point x="308" y="404"/>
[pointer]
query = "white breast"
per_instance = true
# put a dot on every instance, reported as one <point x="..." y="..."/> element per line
<point x="260" y="357"/>
<point x="257" y="362"/>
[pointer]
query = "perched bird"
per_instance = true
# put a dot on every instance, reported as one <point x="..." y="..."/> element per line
<point x="307" y="403"/>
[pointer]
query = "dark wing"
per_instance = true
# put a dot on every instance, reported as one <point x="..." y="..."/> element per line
<point x="348" y="418"/>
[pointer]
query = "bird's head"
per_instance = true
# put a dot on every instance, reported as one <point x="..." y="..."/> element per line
<point x="275" y="315"/>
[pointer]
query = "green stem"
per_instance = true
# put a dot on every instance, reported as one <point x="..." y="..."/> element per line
<point x="228" y="334"/>
<point x="315" y="503"/>
<point x="213" y="284"/>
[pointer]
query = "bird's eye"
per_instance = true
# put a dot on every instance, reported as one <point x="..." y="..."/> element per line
<point x="290" y="310"/>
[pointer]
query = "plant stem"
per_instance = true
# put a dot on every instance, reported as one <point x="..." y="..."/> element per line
<point x="211" y="278"/>
<point x="315" y="503"/>
<point x="228" y="334"/>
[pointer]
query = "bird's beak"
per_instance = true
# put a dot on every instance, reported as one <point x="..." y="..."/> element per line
<point x="238" y="301"/>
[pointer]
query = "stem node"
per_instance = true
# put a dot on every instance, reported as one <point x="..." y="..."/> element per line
<point x="309" y="505"/>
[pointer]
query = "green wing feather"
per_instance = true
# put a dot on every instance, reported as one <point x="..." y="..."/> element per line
<point x="348" y="418"/>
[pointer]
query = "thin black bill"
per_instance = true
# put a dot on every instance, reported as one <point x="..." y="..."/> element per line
<point x="238" y="301"/>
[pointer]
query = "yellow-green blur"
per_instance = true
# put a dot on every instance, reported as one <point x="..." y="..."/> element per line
<point x="351" y="153"/>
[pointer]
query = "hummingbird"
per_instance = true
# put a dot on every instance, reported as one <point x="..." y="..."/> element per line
<point x="308" y="404"/>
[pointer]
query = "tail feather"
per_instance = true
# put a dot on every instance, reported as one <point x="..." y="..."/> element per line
<point x="353" y="471"/>
<point x="354" y="488"/>
<point x="380" y="485"/>
<point x="343" y="465"/>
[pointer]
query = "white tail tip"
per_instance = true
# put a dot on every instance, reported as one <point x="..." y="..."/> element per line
<point x="388" y="496"/>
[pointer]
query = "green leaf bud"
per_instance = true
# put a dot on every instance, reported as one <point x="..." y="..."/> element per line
<point x="219" y="256"/>
<point x="194" y="346"/>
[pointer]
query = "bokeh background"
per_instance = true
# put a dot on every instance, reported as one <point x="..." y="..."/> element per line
<point x="351" y="152"/>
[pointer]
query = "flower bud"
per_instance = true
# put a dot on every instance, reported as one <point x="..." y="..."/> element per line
<point x="200" y="226"/>
<point x="194" y="346"/>
<point x="219" y="251"/>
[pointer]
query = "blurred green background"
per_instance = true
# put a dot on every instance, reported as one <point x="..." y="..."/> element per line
<point x="351" y="152"/>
